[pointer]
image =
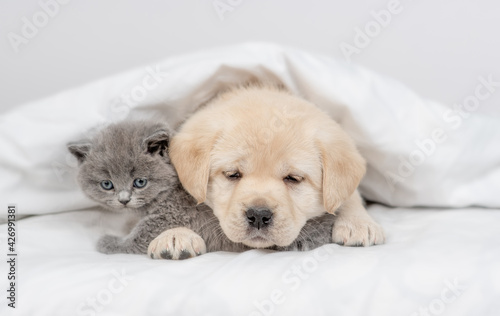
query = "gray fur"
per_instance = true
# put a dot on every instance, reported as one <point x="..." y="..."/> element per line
<point x="130" y="150"/>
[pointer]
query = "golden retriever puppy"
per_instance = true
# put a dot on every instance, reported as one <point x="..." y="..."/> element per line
<point x="266" y="162"/>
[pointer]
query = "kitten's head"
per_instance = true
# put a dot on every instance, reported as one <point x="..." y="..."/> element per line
<point x="125" y="165"/>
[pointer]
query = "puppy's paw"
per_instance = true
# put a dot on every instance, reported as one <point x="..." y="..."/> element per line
<point x="109" y="244"/>
<point x="177" y="243"/>
<point x="357" y="231"/>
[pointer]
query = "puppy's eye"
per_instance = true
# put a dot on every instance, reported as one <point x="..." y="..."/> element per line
<point x="140" y="183"/>
<point x="107" y="185"/>
<point x="232" y="175"/>
<point x="292" y="179"/>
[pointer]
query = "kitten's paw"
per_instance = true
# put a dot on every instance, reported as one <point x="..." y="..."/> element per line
<point x="109" y="244"/>
<point x="177" y="243"/>
<point x="357" y="231"/>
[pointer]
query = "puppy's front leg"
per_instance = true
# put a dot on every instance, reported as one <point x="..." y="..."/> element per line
<point x="354" y="226"/>
<point x="177" y="243"/>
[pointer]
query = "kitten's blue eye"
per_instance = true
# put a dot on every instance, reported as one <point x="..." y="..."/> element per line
<point x="107" y="185"/>
<point x="140" y="183"/>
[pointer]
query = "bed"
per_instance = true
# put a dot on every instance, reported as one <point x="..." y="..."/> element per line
<point x="432" y="183"/>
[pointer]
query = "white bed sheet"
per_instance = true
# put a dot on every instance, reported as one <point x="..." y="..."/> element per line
<point x="444" y="261"/>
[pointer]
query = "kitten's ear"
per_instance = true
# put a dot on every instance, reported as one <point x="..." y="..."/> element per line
<point x="80" y="150"/>
<point x="157" y="142"/>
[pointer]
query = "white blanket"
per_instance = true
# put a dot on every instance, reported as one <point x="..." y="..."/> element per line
<point x="445" y="262"/>
<point x="420" y="153"/>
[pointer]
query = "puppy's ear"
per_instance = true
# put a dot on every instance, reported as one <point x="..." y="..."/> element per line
<point x="79" y="149"/>
<point x="343" y="167"/>
<point x="190" y="154"/>
<point x="157" y="142"/>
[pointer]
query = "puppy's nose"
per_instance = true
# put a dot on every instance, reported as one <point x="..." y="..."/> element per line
<point x="259" y="217"/>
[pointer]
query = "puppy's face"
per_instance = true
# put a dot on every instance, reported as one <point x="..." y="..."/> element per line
<point x="264" y="190"/>
<point x="265" y="162"/>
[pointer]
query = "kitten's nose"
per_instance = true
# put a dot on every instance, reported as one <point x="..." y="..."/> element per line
<point x="124" y="202"/>
<point x="124" y="197"/>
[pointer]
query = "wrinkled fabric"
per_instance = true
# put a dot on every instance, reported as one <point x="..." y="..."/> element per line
<point x="443" y="261"/>
<point x="418" y="153"/>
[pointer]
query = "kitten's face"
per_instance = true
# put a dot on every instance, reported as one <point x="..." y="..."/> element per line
<point x="126" y="166"/>
<point x="120" y="183"/>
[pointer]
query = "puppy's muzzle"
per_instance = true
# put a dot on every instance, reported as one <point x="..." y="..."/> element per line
<point x="259" y="217"/>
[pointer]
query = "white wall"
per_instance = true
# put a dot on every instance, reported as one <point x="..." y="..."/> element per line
<point x="438" y="48"/>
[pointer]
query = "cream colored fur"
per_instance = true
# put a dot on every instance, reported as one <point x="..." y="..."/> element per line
<point x="267" y="135"/>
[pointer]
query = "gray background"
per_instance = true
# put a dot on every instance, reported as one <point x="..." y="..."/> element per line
<point x="438" y="48"/>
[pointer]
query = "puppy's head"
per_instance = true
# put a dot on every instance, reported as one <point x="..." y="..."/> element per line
<point x="265" y="162"/>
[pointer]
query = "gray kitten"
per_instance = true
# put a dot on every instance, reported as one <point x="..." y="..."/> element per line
<point x="125" y="167"/>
